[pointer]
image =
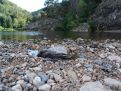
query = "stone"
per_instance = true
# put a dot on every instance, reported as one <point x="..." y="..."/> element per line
<point x="44" y="87"/>
<point x="57" y="77"/>
<point x="113" y="83"/>
<point x="39" y="68"/>
<point x="43" y="76"/>
<point x="103" y="55"/>
<point x="106" y="67"/>
<point x="86" y="78"/>
<point x="17" y="87"/>
<point x="58" y="51"/>
<point x="4" y="88"/>
<point x="94" y="86"/>
<point x="22" y="83"/>
<point x="30" y="75"/>
<point x="37" y="81"/>
<point x="119" y="70"/>
<point x="114" y="58"/>
<point x="72" y="75"/>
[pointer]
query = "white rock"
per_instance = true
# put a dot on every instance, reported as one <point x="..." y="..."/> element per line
<point x="86" y="78"/>
<point x="112" y="83"/>
<point x="22" y="83"/>
<point x="17" y="87"/>
<point x="103" y="55"/>
<point x="93" y="86"/>
<point x="37" y="81"/>
<point x="114" y="57"/>
<point x="44" y="87"/>
<point x="1" y="43"/>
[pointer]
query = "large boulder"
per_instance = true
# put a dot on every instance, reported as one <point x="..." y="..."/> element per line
<point x="57" y="51"/>
<point x="108" y="15"/>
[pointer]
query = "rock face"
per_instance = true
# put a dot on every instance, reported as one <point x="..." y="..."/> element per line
<point x="47" y="24"/>
<point x="93" y="86"/>
<point x="108" y="15"/>
<point x="54" y="52"/>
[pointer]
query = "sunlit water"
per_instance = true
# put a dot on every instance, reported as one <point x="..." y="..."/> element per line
<point x="57" y="35"/>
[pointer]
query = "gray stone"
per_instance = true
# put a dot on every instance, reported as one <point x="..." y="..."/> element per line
<point x="98" y="62"/>
<point x="30" y="75"/>
<point x="106" y="67"/>
<point x="44" y="87"/>
<point x="17" y="87"/>
<point x="72" y="75"/>
<point x="37" y="81"/>
<point x="22" y="83"/>
<point x="114" y="58"/>
<point x="57" y="77"/>
<point x="86" y="78"/>
<point x="43" y="76"/>
<point x="116" y="84"/>
<point x="93" y="86"/>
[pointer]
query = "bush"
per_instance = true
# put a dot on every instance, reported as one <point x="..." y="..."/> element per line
<point x="92" y="25"/>
<point x="1" y="28"/>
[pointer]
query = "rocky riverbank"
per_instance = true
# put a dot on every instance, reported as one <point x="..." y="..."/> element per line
<point x="90" y="66"/>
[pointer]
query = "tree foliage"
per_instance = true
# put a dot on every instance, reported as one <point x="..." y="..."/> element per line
<point x="72" y="12"/>
<point x="12" y="16"/>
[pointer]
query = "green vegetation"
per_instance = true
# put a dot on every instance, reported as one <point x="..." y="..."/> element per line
<point x="72" y="12"/>
<point x="12" y="16"/>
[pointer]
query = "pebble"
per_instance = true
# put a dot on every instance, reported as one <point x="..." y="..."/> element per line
<point x="57" y="78"/>
<point x="37" y="81"/>
<point x="72" y="75"/>
<point x="17" y="87"/>
<point x="86" y="78"/>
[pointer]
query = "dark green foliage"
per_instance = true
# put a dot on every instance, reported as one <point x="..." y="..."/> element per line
<point x="11" y="16"/>
<point x="71" y="12"/>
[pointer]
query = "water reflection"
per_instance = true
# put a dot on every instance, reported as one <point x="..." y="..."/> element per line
<point x="58" y="35"/>
<point x="18" y="35"/>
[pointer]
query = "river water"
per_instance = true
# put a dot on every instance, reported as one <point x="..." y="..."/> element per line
<point x="57" y="35"/>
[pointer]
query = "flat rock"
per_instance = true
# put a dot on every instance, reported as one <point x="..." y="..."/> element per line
<point x="94" y="86"/>
<point x="86" y="78"/>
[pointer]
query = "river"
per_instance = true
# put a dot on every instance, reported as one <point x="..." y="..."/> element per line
<point x="57" y="35"/>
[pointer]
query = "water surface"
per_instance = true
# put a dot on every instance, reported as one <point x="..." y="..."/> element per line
<point x="56" y="35"/>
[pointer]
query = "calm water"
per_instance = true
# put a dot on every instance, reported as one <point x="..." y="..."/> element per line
<point x="25" y="35"/>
